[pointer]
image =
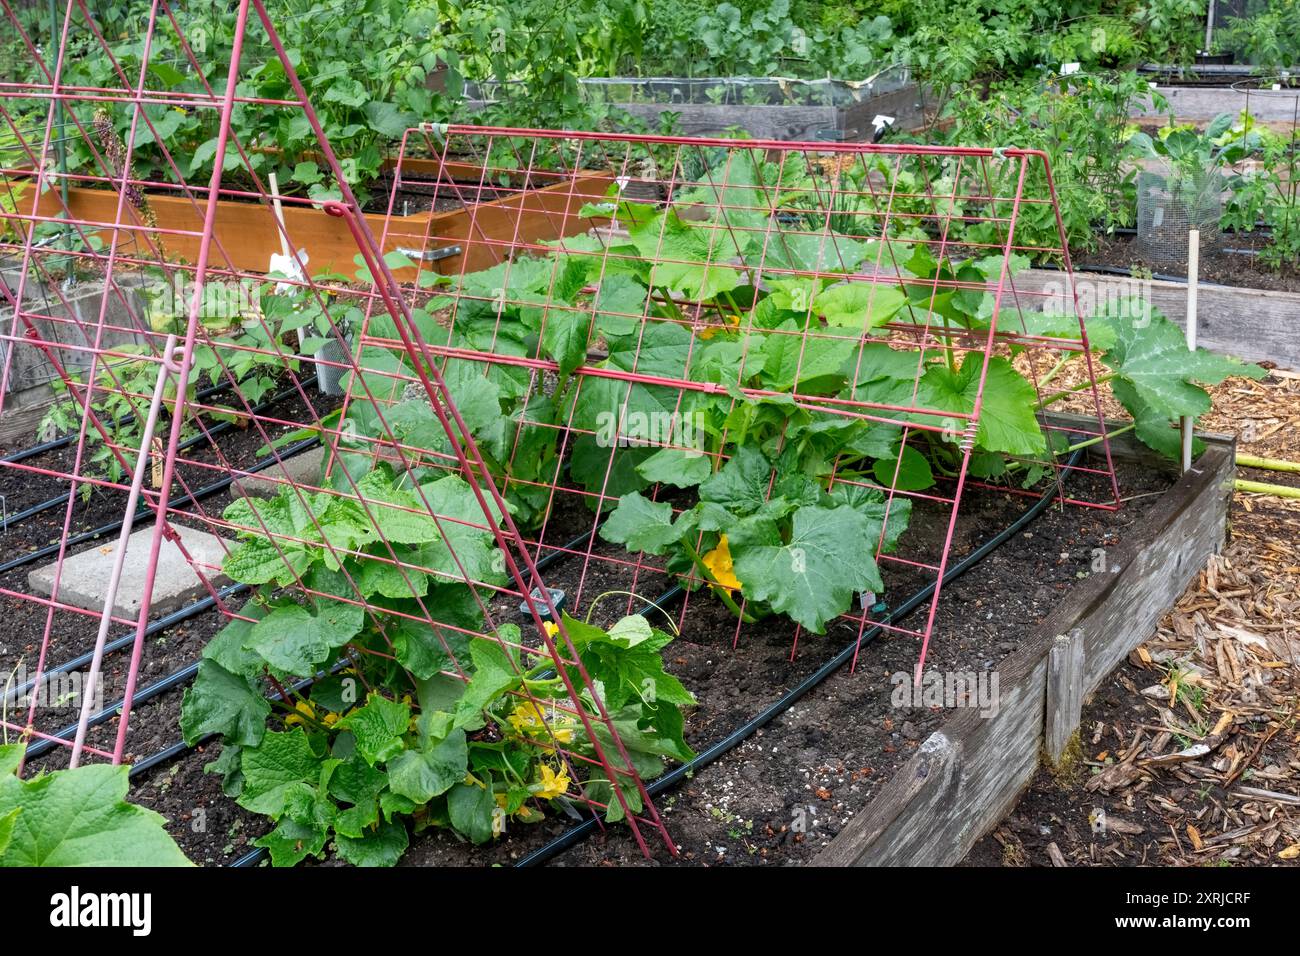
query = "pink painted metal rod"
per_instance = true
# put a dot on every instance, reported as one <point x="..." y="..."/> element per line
<point x="182" y="369"/>
<point x="119" y="559"/>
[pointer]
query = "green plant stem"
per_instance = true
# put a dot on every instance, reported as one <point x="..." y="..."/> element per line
<point x="1268" y="464"/>
<point x="1260" y="488"/>
<point x="723" y="593"/>
<point x="1073" y="389"/>
<point x="543" y="683"/>
<point x="1055" y="370"/>
<point x="1097" y="440"/>
<point x="591" y="608"/>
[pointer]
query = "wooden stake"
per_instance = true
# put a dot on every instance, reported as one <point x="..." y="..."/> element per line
<point x="1065" y="672"/>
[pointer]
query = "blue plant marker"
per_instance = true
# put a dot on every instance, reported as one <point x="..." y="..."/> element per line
<point x="877" y="606"/>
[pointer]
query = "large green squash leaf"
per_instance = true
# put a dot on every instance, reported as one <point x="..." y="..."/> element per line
<point x="78" y="818"/>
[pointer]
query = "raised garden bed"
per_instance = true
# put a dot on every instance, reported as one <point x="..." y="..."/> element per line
<point x="247" y="236"/>
<point x="1200" y="104"/>
<point x="1263" y="332"/>
<point x="967" y="774"/>
<point x="844" y="760"/>
<point x="71" y="312"/>
<point x="769" y="109"/>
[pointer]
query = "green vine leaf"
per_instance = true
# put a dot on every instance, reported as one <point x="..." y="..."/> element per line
<point x="814" y="576"/>
<point x="640" y="524"/>
<point x="378" y="727"/>
<point x="78" y="818"/>
<point x="382" y="846"/>
<point x="422" y="775"/>
<point x="220" y="702"/>
<point x="1007" y="420"/>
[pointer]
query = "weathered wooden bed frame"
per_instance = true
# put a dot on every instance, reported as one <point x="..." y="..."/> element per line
<point x="966" y="776"/>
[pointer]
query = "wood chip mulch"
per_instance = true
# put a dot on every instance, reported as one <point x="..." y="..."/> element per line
<point x="1191" y="750"/>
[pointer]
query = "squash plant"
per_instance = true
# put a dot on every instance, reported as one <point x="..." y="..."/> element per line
<point x="452" y="730"/>
<point x="243" y="344"/>
<point x="77" y="818"/>
<point x="734" y="286"/>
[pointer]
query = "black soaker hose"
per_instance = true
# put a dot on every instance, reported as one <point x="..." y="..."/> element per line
<point x="146" y="512"/>
<point x="218" y="429"/>
<point x="182" y="676"/>
<point x="580" y="831"/>
<point x="64" y="440"/>
<point x="126" y="640"/>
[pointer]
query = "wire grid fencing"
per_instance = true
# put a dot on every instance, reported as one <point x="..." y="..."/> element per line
<point x="721" y="381"/>
<point x="397" y="574"/>
<point x="657" y="369"/>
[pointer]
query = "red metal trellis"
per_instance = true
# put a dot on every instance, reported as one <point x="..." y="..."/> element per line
<point x="894" y="198"/>
<point x="136" y="286"/>
<point x="591" y="274"/>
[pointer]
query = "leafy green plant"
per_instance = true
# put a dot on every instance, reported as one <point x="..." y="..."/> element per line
<point x="77" y="818"/>
<point x="759" y="313"/>
<point x="1267" y="36"/>
<point x="1081" y="122"/>
<point x="363" y="65"/>
<point x="766" y="38"/>
<point x="246" y="350"/>
<point x="1269" y="192"/>
<point x="456" y="731"/>
<point x="750" y="538"/>
<point x="1198" y="160"/>
<point x="1171" y="30"/>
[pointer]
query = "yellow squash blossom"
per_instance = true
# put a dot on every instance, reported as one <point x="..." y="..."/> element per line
<point x="305" y="712"/>
<point x="552" y="784"/>
<point x="731" y="321"/>
<point x="528" y="721"/>
<point x="551" y="628"/>
<point x="718" y="561"/>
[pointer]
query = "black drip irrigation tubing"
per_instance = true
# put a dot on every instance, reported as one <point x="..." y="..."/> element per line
<point x="183" y="674"/>
<point x="126" y="640"/>
<point x="580" y="831"/>
<point x="218" y="429"/>
<point x="64" y="440"/>
<point x="146" y="512"/>
<point x="1118" y="271"/>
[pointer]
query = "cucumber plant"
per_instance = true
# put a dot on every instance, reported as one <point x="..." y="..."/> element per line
<point x="77" y="818"/>
<point x="454" y="728"/>
<point x="753" y="299"/>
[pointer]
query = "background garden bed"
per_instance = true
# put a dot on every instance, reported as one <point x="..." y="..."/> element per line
<point x="1258" y="325"/>
<point x="247" y="235"/>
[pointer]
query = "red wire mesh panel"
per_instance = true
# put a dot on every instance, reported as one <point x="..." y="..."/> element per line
<point x="376" y="595"/>
<point x="751" y="366"/>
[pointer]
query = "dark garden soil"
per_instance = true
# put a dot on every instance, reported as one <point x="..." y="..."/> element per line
<point x="154" y="724"/>
<point x="1217" y="265"/>
<point x="417" y="195"/>
<point x="820" y="762"/>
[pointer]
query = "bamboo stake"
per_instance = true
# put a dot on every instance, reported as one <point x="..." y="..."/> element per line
<point x="1260" y="488"/>
<point x="1269" y="464"/>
